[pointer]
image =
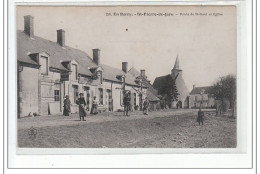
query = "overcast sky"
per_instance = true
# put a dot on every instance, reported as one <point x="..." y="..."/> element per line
<point x="206" y="45"/>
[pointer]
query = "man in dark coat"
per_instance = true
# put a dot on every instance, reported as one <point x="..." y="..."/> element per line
<point x="82" y="103"/>
<point x="200" y="118"/>
<point x="126" y="102"/>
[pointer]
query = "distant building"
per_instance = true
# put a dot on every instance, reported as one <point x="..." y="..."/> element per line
<point x="48" y="71"/>
<point x="164" y="82"/>
<point x="201" y="96"/>
<point x="151" y="91"/>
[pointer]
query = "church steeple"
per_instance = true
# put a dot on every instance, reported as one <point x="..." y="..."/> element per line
<point x="176" y="71"/>
<point x="176" y="65"/>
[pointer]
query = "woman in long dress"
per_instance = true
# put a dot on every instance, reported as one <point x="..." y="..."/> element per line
<point x="94" y="106"/>
<point x="66" y="106"/>
<point x="145" y="106"/>
<point x="82" y="103"/>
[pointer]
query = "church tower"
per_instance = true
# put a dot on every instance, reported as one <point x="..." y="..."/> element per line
<point x="162" y="83"/>
<point x="183" y="91"/>
<point x="176" y="71"/>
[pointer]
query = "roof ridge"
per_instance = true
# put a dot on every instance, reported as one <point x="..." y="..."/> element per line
<point x="66" y="46"/>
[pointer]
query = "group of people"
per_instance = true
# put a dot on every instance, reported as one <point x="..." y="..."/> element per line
<point x="82" y="106"/>
<point x="126" y="101"/>
<point x="127" y="104"/>
<point x="83" y="109"/>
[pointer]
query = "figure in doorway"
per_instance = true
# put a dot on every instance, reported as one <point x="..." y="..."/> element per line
<point x="66" y="106"/>
<point x="94" y="106"/>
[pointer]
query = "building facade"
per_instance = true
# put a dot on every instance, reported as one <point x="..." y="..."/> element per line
<point x="151" y="91"/>
<point x="201" y="97"/>
<point x="48" y="71"/>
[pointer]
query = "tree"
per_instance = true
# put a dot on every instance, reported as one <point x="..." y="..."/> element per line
<point x="171" y="91"/>
<point x="175" y="92"/>
<point x="225" y="90"/>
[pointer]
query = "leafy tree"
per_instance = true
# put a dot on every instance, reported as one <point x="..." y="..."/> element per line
<point x="175" y="92"/>
<point x="171" y="91"/>
<point x="225" y="89"/>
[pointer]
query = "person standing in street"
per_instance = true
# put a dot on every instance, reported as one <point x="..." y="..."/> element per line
<point x="82" y="104"/>
<point x="126" y="102"/>
<point x="66" y="106"/>
<point x="146" y="106"/>
<point x="94" y="106"/>
<point x="200" y="118"/>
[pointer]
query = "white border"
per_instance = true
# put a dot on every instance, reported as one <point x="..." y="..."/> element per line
<point x="240" y="157"/>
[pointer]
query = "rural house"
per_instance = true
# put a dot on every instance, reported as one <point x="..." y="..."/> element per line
<point x="151" y="91"/>
<point x="201" y="96"/>
<point x="48" y="71"/>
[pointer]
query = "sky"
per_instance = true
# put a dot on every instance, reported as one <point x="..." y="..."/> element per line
<point x="205" y="44"/>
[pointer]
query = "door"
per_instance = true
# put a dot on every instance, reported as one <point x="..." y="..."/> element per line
<point x="87" y="94"/>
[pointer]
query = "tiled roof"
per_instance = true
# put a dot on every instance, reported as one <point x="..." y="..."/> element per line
<point x="27" y="45"/>
<point x="134" y="72"/>
<point x="110" y="73"/>
<point x="151" y="96"/>
<point x="146" y="82"/>
<point x="160" y="82"/>
<point x="197" y="90"/>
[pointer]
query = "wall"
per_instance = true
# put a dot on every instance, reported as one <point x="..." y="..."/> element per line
<point x="47" y="85"/>
<point x="28" y="91"/>
<point x="195" y="100"/>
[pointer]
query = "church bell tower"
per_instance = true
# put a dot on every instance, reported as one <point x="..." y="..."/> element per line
<point x="176" y="71"/>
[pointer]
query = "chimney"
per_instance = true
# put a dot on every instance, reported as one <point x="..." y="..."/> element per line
<point x="96" y="56"/>
<point x="143" y="73"/>
<point x="193" y="86"/>
<point x="125" y="67"/>
<point x="61" y="37"/>
<point x="28" y="25"/>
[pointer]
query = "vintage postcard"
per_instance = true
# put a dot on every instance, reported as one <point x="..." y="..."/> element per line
<point x="126" y="76"/>
<point x="93" y="85"/>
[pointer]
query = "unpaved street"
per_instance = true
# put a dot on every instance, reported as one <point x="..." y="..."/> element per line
<point x="161" y="129"/>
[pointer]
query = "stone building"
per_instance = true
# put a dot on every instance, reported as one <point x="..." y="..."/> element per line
<point x="164" y="82"/>
<point x="201" y="96"/>
<point x="151" y="91"/>
<point x="48" y="71"/>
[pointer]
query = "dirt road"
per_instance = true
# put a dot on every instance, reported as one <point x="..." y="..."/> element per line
<point x="167" y="129"/>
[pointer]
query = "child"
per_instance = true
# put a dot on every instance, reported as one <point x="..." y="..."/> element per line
<point x="200" y="118"/>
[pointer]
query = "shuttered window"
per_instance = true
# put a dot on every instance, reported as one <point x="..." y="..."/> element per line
<point x="56" y="95"/>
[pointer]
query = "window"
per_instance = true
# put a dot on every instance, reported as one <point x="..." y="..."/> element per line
<point x="76" y="93"/>
<point x="134" y="99"/>
<point x="74" y="72"/>
<point x="56" y="95"/>
<point x="110" y="101"/>
<point x="99" y="76"/>
<point x="100" y="96"/>
<point x="44" y="65"/>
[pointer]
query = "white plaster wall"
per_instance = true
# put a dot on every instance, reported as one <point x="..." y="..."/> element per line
<point x="29" y="91"/>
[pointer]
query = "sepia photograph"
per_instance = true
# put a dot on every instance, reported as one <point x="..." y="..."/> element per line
<point x="126" y="76"/>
